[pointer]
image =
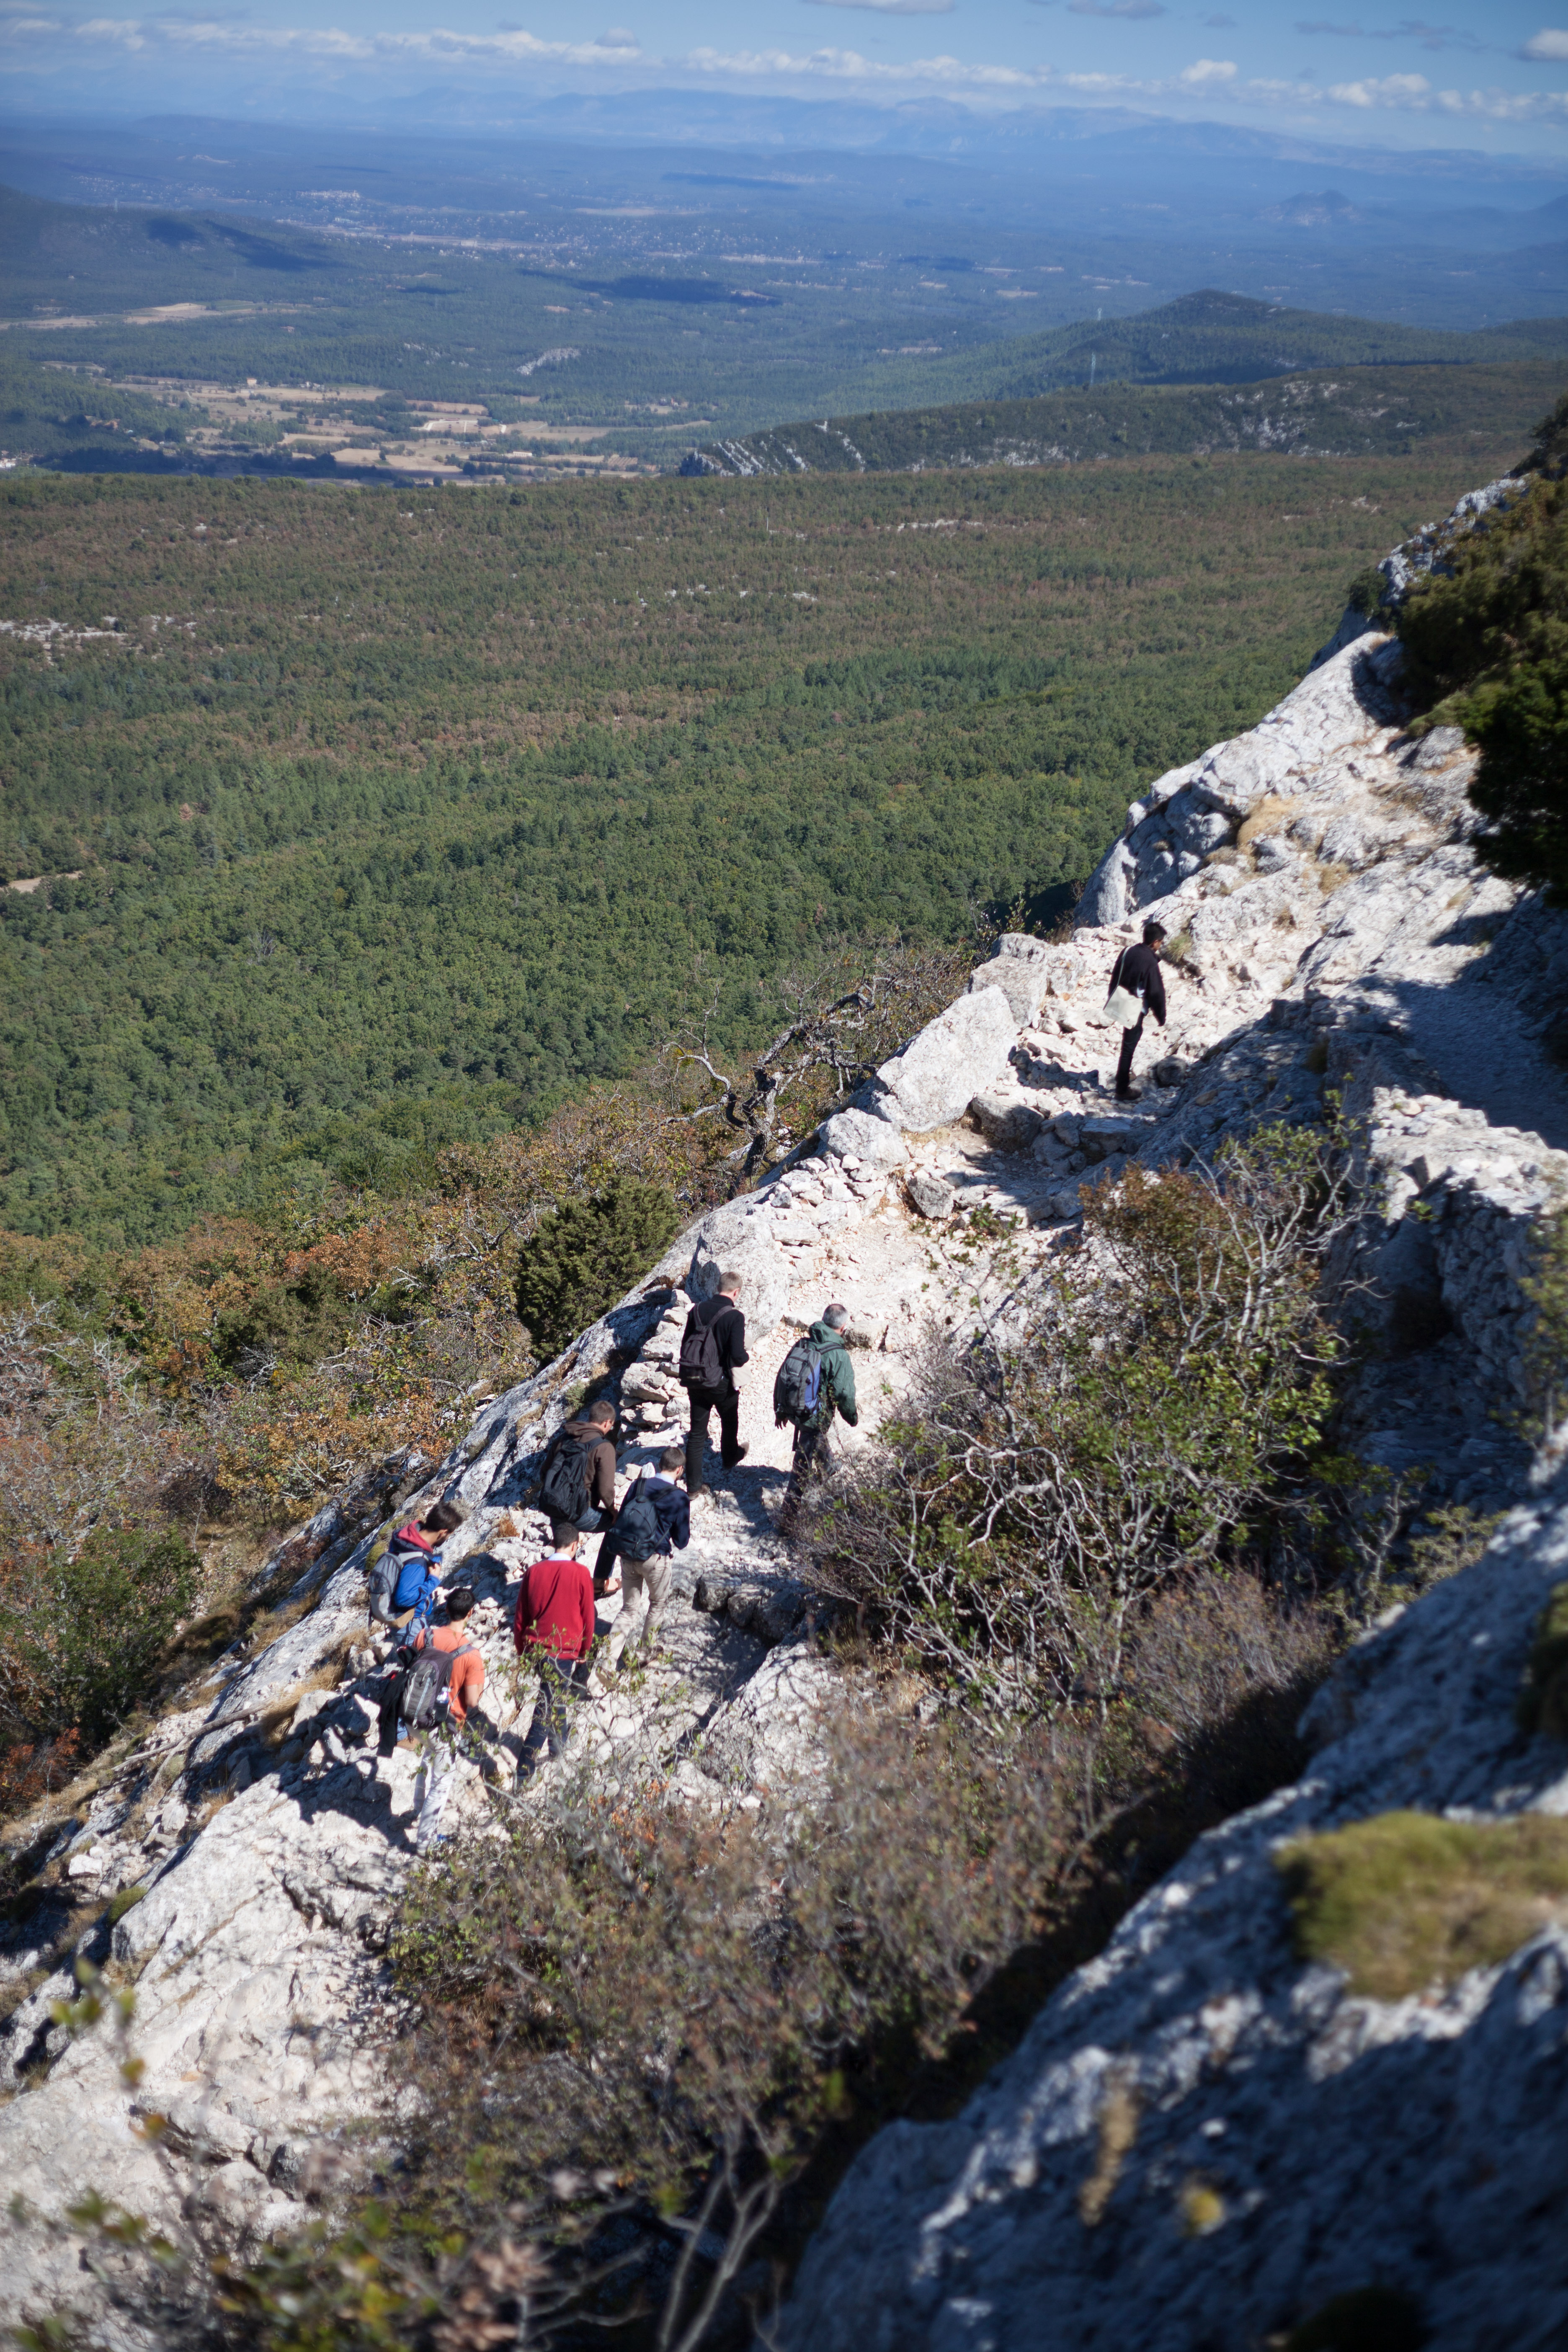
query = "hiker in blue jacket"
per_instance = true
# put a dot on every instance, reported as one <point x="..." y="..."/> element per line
<point x="816" y="1382"/>
<point x="655" y="1521"/>
<point x="419" y="1587"/>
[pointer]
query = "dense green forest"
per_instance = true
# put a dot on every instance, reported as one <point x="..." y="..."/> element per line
<point x="393" y="820"/>
<point x="655" y="352"/>
<point x="1352" y="411"/>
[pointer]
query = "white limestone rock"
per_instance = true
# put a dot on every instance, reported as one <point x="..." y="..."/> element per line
<point x="1021" y="980"/>
<point x="931" y="1082"/>
<point x="859" y="1135"/>
<point x="739" y="1238"/>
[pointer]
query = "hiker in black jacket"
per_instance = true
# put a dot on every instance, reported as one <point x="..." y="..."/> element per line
<point x="712" y="1351"/>
<point x="655" y="1524"/>
<point x="1137" y="970"/>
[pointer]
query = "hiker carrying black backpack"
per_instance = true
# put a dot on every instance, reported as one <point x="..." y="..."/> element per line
<point x="815" y="1380"/>
<point x="577" y="1475"/>
<point x="654" y="1522"/>
<point x="712" y="1350"/>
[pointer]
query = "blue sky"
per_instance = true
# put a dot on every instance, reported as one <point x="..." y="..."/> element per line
<point x="1472" y="76"/>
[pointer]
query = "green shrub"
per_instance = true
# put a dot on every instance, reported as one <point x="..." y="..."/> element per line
<point x="1487" y="648"/>
<point x="583" y="1256"/>
<point x="80" y="1643"/>
<point x="1152" y="1417"/>
<point x="1407" y="1901"/>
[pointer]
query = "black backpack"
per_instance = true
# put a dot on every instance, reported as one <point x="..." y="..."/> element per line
<point x="700" y="1365"/>
<point x="563" y="1480"/>
<point x="637" y="1530"/>
<point x="797" y="1391"/>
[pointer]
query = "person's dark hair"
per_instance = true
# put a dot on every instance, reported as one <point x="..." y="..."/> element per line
<point x="561" y="1531"/>
<point x="460" y="1601"/>
<point x="602" y="1409"/>
<point x="729" y="1282"/>
<point x="672" y="1460"/>
<point x="836" y="1316"/>
<point x="443" y="1519"/>
<point x="1152" y="931"/>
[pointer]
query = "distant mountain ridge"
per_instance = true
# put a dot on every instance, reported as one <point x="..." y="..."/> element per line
<point x="1212" y="337"/>
<point x="1343" y="412"/>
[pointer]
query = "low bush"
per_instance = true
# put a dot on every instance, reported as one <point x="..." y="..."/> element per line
<point x="1544" y="1701"/>
<point x="80" y="1646"/>
<point x="1486" y="640"/>
<point x="1158" y="1403"/>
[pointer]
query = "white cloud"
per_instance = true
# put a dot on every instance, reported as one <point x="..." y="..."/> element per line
<point x="1549" y="46"/>
<point x="617" y="38"/>
<point x="1392" y="89"/>
<point x="510" y="48"/>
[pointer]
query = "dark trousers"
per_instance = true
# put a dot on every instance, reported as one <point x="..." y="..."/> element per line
<point x="561" y="1684"/>
<point x="812" y="1457"/>
<point x="1129" y="1048"/>
<point x="703" y="1402"/>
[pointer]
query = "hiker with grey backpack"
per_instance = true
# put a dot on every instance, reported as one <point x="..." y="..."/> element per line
<point x="436" y="1676"/>
<point x="814" y="1383"/>
<point x="403" y="1576"/>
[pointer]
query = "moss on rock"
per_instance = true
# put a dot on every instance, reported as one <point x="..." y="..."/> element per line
<point x="1407" y="1901"/>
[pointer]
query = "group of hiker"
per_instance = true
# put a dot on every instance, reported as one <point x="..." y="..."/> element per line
<point x="438" y="1675"/>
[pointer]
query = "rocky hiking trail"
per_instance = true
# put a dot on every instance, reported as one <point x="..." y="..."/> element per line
<point x="1331" y="929"/>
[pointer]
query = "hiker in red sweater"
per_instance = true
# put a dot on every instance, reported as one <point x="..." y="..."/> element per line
<point x="555" y="1623"/>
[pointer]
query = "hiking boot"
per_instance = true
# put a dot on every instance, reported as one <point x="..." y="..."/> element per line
<point x="740" y="1453"/>
<point x="1128" y="1094"/>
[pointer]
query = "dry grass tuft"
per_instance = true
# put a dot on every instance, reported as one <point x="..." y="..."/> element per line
<point x="1118" y="2131"/>
<point x="1271" y="814"/>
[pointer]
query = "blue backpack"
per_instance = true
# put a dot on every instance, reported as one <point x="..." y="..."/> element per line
<point x="797" y="1391"/>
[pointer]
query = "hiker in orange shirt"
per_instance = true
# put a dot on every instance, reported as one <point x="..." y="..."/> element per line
<point x="464" y="1685"/>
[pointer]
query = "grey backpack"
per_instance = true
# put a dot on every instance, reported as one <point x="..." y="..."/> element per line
<point x="427" y="1686"/>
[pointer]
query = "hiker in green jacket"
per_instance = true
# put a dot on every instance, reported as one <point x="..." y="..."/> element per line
<point x="815" y="1380"/>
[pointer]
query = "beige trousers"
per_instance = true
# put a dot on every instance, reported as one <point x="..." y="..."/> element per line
<point x="638" y="1576"/>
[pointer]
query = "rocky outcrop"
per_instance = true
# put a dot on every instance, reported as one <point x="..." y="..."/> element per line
<point x="931" y="1081"/>
<point x="1202" y="2140"/>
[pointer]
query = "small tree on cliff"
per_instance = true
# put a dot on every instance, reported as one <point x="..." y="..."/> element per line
<point x="585" y="1254"/>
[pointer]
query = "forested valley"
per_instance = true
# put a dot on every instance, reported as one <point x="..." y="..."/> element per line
<point x="367" y="824"/>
